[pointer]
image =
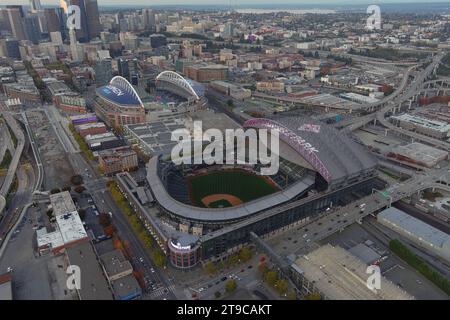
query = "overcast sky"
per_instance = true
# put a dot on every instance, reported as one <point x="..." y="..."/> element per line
<point x="226" y="2"/>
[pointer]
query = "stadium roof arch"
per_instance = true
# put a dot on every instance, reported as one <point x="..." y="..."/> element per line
<point x="304" y="148"/>
<point x="176" y="79"/>
<point x="333" y="155"/>
<point x="121" y="92"/>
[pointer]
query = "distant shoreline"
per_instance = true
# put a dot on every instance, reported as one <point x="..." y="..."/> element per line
<point x="400" y="7"/>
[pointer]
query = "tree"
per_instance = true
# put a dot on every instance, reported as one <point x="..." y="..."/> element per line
<point x="118" y="244"/>
<point x="146" y="239"/>
<point x="160" y="259"/>
<point x="217" y="294"/>
<point x="54" y="191"/>
<point x="271" y="277"/>
<point x="211" y="268"/>
<point x="79" y="189"/>
<point x="67" y="188"/>
<point x="282" y="286"/>
<point x="245" y="254"/>
<point x="291" y="295"/>
<point x="104" y="219"/>
<point x="263" y="269"/>
<point x="233" y="260"/>
<point x="231" y="286"/>
<point x="313" y="296"/>
<point x="230" y="103"/>
<point x="109" y="230"/>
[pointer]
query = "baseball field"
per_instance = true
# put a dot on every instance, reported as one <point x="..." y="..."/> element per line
<point x="228" y="188"/>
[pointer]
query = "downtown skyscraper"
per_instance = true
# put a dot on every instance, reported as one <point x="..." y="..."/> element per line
<point x="90" y="20"/>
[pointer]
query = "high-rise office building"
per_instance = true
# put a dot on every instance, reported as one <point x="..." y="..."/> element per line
<point x="53" y="20"/>
<point x="90" y="20"/>
<point x="82" y="32"/>
<point x="127" y="68"/>
<point x="32" y="28"/>
<point x="16" y="17"/>
<point x="148" y="15"/>
<point x="35" y="5"/>
<point x="4" y="21"/>
<point x="10" y="48"/>
<point x="103" y="71"/>
<point x="76" y="50"/>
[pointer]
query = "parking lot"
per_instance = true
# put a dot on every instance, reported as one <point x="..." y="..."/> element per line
<point x="392" y="267"/>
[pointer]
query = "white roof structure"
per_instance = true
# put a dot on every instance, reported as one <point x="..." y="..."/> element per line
<point x="62" y="203"/>
<point x="339" y="275"/>
<point x="52" y="239"/>
<point x="416" y="230"/>
<point x="69" y="226"/>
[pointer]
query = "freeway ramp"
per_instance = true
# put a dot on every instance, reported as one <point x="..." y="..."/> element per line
<point x="2" y="204"/>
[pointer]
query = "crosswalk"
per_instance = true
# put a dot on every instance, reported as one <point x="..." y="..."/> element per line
<point x="162" y="291"/>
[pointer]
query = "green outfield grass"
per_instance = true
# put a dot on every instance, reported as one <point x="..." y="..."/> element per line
<point x="241" y="184"/>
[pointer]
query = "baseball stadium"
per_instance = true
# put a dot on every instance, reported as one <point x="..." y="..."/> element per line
<point x="215" y="207"/>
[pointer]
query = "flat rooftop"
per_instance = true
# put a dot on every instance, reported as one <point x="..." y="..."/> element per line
<point x="423" y="122"/>
<point x="71" y="227"/>
<point x="339" y="275"/>
<point x="87" y="126"/>
<point x="326" y="99"/>
<point x="156" y="136"/>
<point x="413" y="226"/>
<point x="421" y="152"/>
<point x="115" y="263"/>
<point x="93" y="283"/>
<point x="215" y="120"/>
<point x="126" y="287"/>
<point x="62" y="203"/>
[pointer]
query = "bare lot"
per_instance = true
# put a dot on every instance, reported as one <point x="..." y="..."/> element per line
<point x="56" y="164"/>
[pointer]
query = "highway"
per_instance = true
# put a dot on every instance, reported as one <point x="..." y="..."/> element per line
<point x="27" y="184"/>
<point x="407" y="92"/>
<point x="35" y="149"/>
<point x="339" y="218"/>
<point x="17" y="208"/>
<point x="12" y="123"/>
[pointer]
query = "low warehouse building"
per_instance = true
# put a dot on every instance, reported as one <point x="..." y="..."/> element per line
<point x="419" y="232"/>
<point x="419" y="154"/>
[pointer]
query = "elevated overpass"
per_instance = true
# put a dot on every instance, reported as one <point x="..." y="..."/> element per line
<point x="405" y="93"/>
<point x="12" y="123"/>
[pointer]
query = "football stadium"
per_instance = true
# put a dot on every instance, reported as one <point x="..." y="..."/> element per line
<point x="119" y="104"/>
<point x="211" y="209"/>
